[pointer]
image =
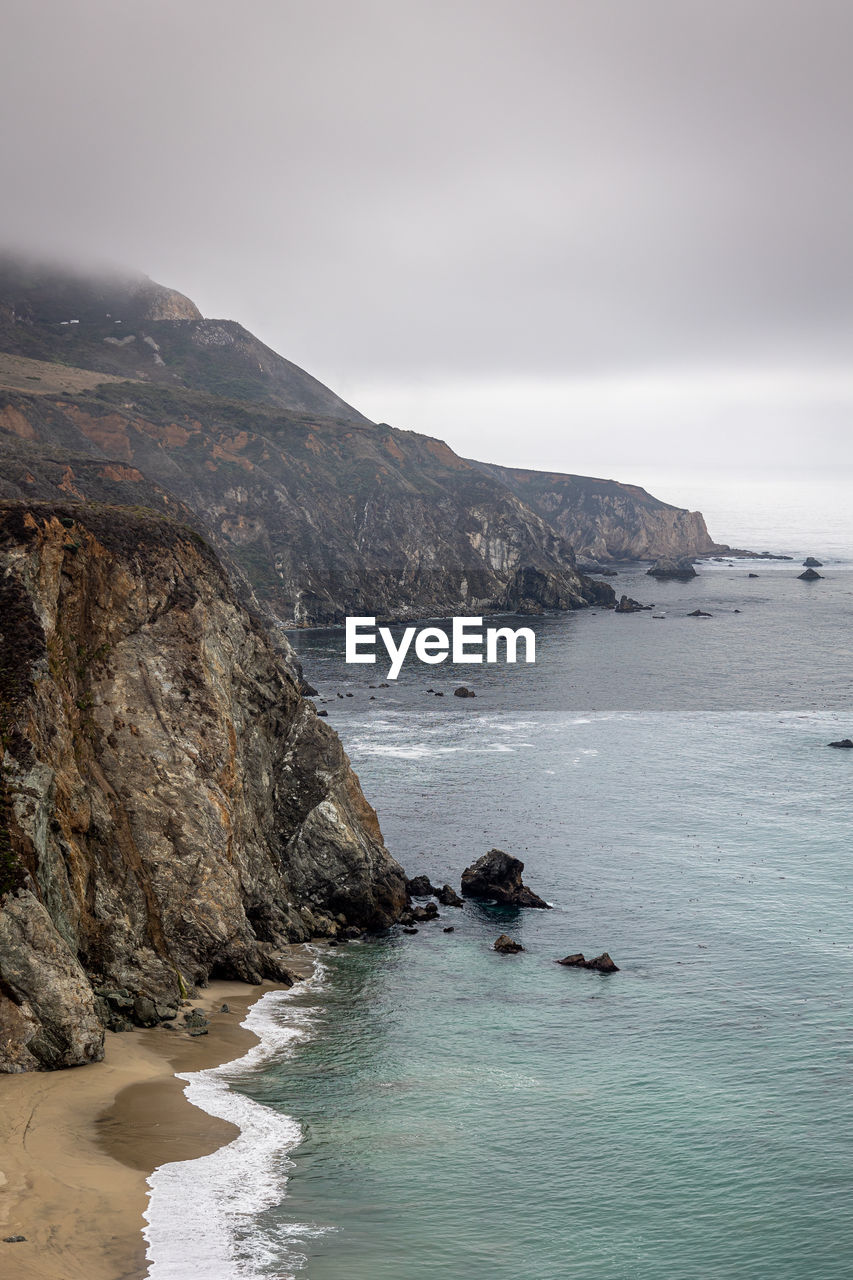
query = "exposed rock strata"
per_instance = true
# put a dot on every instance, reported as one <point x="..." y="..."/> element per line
<point x="606" y="520"/>
<point x="170" y="807"/>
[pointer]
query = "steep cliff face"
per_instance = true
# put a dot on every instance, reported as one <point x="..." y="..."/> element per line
<point x="605" y="520"/>
<point x="170" y="807"/>
<point x="324" y="518"/>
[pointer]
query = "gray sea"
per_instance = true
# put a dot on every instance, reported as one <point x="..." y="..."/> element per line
<point x="426" y="1107"/>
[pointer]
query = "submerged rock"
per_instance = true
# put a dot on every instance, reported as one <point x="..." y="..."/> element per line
<point x="497" y="876"/>
<point x="507" y="945"/>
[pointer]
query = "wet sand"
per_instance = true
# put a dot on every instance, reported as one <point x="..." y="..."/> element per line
<point x="77" y="1146"/>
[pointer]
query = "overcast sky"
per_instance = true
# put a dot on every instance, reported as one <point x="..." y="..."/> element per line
<point x="612" y="236"/>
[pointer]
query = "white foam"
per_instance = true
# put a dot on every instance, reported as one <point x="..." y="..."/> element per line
<point x="202" y="1214"/>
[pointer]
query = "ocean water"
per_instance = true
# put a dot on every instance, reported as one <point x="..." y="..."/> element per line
<point x="428" y="1107"/>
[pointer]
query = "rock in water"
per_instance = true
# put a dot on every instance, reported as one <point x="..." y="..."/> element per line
<point x="462" y="692"/>
<point x="811" y="563"/>
<point x="810" y="575"/>
<point x="420" y="887"/>
<point x="627" y="605"/>
<point x="507" y="945"/>
<point x="497" y="875"/>
<point x="681" y="569"/>
<point x="842" y="742"/>
<point x="602" y="963"/>
<point x="699" y="613"/>
<point x="448" y="897"/>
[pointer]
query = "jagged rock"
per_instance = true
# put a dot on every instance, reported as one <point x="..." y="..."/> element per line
<point x="462" y="692"/>
<point x="699" y="613"/>
<point x="627" y="605"/>
<point x="667" y="567"/>
<point x="602" y="963"/>
<point x="422" y="914"/>
<point x="448" y="929"/>
<point x="842" y="742"/>
<point x="165" y="754"/>
<point x="448" y="897"/>
<point x="307" y="690"/>
<point x="507" y="945"/>
<point x="810" y="575"/>
<point x="224" y="1008"/>
<point x="47" y="1008"/>
<point x="144" y="1012"/>
<point x="421" y="887"/>
<point x="811" y="563"/>
<point x="196" y="1018"/>
<point x="497" y="876"/>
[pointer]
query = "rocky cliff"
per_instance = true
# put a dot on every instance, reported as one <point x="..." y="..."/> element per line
<point x="324" y="518"/>
<point x="605" y="520"/>
<point x="317" y="512"/>
<point x="170" y="808"/>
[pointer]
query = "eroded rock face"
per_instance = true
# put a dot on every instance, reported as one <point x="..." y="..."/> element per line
<point x="605" y="520"/>
<point x="170" y="807"/>
<point x="497" y="876"/>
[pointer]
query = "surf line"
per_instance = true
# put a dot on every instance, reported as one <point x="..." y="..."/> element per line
<point x="433" y="645"/>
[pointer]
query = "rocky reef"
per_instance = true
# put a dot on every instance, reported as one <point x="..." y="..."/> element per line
<point x="171" y="808"/>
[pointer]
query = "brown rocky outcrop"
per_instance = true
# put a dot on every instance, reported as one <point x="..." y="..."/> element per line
<point x="171" y="808"/>
<point x="607" y="520"/>
<point x="497" y="877"/>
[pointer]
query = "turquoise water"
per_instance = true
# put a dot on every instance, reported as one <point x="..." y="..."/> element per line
<point x="484" y="1117"/>
<point x="476" y="1115"/>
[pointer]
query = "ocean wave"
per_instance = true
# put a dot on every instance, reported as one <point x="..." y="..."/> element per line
<point x="202" y="1215"/>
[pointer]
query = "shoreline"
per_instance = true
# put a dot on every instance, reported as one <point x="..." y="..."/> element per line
<point x="77" y="1146"/>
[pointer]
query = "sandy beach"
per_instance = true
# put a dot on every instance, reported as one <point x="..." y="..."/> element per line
<point x="76" y="1146"/>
